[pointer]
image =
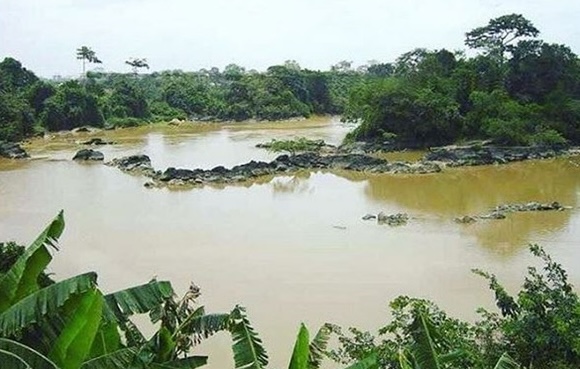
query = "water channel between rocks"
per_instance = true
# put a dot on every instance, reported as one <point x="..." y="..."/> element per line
<point x="290" y="248"/>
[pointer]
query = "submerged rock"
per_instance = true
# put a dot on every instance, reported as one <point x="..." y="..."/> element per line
<point x="369" y="217"/>
<point x="89" y="155"/>
<point x="501" y="211"/>
<point x="393" y="219"/>
<point x="12" y="150"/>
<point x="466" y="219"/>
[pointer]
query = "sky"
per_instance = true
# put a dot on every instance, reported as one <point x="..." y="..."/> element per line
<point x="195" y="34"/>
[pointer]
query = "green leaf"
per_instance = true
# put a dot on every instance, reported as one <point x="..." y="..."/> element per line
<point x="32" y="357"/>
<point x="107" y="339"/>
<point x="370" y="362"/>
<point x="506" y="362"/>
<point x="13" y="361"/>
<point x="137" y="300"/>
<point x="44" y="302"/>
<point x="404" y="361"/>
<point x="21" y="279"/>
<point x="299" y="359"/>
<point x="318" y="346"/>
<point x="247" y="347"/>
<point x="204" y="326"/>
<point x="164" y="345"/>
<point x="191" y="362"/>
<point x="424" y="348"/>
<point x="76" y="339"/>
<point x="120" y="359"/>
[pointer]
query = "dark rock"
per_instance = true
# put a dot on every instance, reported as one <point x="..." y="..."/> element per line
<point x="485" y="155"/>
<point x="89" y="155"/>
<point x="134" y="163"/>
<point x="97" y="141"/>
<point x="493" y="215"/>
<point x="12" y="150"/>
<point x="369" y="217"/>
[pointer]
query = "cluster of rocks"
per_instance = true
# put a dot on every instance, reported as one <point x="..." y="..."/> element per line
<point x="398" y="219"/>
<point x="282" y="164"/>
<point x="309" y="146"/>
<point x="137" y="164"/>
<point x="501" y="211"/>
<point x="12" y="150"/>
<point x="455" y="156"/>
<point x="89" y="155"/>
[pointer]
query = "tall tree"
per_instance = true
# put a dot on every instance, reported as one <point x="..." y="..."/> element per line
<point x="137" y="63"/>
<point x="87" y="55"/>
<point x="498" y="35"/>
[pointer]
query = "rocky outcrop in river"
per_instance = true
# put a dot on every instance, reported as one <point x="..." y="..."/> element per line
<point x="12" y="150"/>
<point x="282" y="164"/>
<point x="89" y="155"/>
<point x="97" y="141"/>
<point x="501" y="211"/>
<point x="455" y="156"/>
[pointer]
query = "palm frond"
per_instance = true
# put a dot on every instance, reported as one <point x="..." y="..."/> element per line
<point x="44" y="302"/>
<point x="424" y="348"/>
<point x="13" y="361"/>
<point x="137" y="300"/>
<point x="204" y="326"/>
<point x="319" y="344"/>
<point x="22" y="278"/>
<point x="120" y="359"/>
<point x="32" y="357"/>
<point x="247" y="347"/>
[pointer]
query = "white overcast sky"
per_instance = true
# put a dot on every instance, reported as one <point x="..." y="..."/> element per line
<point x="194" y="34"/>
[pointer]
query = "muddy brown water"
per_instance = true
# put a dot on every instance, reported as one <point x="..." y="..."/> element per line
<point x="290" y="248"/>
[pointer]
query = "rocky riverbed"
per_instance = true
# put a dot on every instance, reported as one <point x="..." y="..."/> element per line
<point x="282" y="164"/>
<point x="12" y="150"/>
<point x="456" y="156"/>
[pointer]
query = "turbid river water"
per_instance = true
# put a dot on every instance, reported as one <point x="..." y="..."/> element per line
<point x="289" y="248"/>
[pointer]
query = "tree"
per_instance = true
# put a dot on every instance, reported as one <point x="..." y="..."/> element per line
<point x="71" y="106"/>
<point x="496" y="37"/>
<point x="137" y="64"/>
<point x="87" y="55"/>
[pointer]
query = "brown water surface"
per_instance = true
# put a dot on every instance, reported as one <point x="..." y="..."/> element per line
<point x="289" y="248"/>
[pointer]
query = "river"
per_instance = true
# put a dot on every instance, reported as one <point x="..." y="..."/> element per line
<point x="290" y="248"/>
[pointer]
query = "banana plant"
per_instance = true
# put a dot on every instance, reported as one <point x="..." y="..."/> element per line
<point x="71" y="324"/>
<point x="423" y="352"/>
<point x="309" y="354"/>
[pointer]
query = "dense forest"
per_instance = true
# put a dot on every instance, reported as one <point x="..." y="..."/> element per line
<point x="516" y="90"/>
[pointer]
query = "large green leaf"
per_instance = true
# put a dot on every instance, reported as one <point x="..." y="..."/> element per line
<point x="22" y="278"/>
<point x="247" y="347"/>
<point x="120" y="359"/>
<point x="137" y="300"/>
<point x="319" y="344"/>
<point x="299" y="359"/>
<point x="424" y="348"/>
<point x="201" y="326"/>
<point x="107" y="339"/>
<point x="191" y="362"/>
<point x="404" y="361"/>
<point x="83" y="317"/>
<point x="42" y="303"/>
<point x="506" y="362"/>
<point x="10" y="360"/>
<point x="30" y="356"/>
<point x="370" y="362"/>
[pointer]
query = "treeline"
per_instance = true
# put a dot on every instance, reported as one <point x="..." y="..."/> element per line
<point x="29" y="104"/>
<point x="519" y="90"/>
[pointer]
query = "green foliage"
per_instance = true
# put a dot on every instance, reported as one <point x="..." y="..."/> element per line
<point x="71" y="106"/>
<point x="300" y="144"/>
